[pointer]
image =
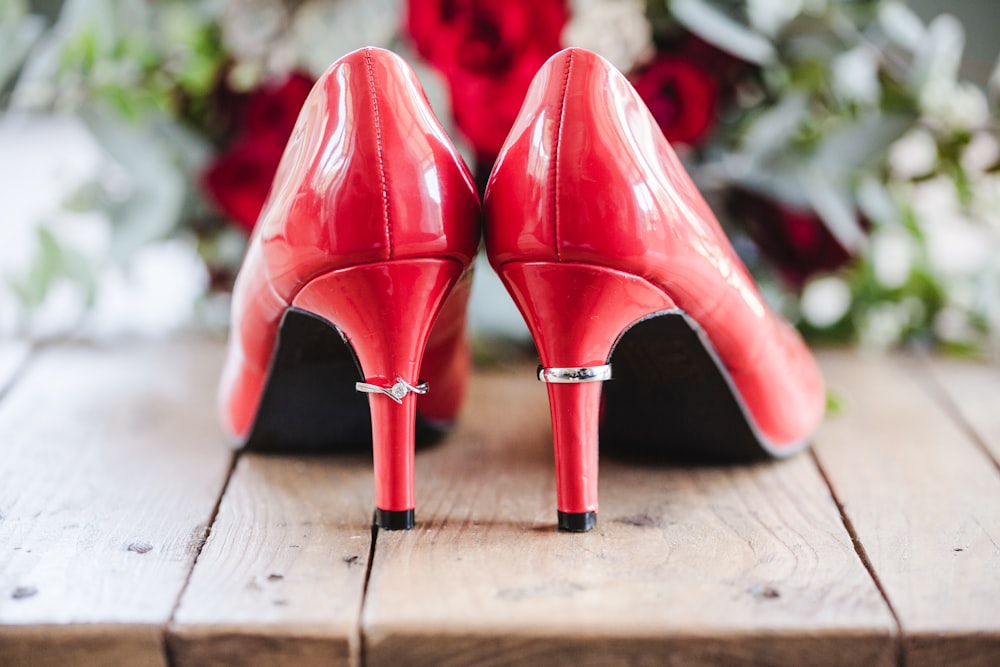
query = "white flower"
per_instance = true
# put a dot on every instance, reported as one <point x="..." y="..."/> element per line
<point x="883" y="325"/>
<point x="952" y="324"/>
<point x="615" y="29"/>
<point x="324" y="31"/>
<point x="154" y="294"/>
<point x="982" y="152"/>
<point x="913" y="155"/>
<point x="825" y="301"/>
<point x="770" y="16"/>
<point x="954" y="105"/>
<point x="957" y="246"/>
<point x="60" y="313"/>
<point x="257" y="31"/>
<point x="986" y="202"/>
<point x="901" y="25"/>
<point x="892" y="255"/>
<point x="875" y="201"/>
<point x="855" y="75"/>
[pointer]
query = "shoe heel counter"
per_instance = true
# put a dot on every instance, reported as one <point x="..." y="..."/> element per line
<point x="385" y="312"/>
<point x="576" y="313"/>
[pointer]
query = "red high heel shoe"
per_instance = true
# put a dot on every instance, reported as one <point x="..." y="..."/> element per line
<point x="614" y="258"/>
<point x="358" y="268"/>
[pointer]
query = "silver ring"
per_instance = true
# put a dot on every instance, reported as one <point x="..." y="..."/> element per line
<point x="396" y="392"/>
<point x="570" y="375"/>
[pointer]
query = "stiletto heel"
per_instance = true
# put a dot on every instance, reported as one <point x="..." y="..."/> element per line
<point x="385" y="312"/>
<point x="576" y="313"/>
<point x="615" y="259"/>
<point x="353" y="290"/>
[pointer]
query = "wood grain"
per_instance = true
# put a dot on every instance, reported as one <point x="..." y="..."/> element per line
<point x="687" y="566"/>
<point x="282" y="574"/>
<point x="110" y="468"/>
<point x="924" y="501"/>
<point x="973" y="391"/>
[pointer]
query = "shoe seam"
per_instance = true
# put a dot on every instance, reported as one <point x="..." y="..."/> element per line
<point x="554" y="172"/>
<point x="381" y="154"/>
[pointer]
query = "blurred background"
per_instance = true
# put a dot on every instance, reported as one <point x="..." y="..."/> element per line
<point x="850" y="148"/>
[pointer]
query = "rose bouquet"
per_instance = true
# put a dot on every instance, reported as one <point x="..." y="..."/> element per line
<point x="856" y="172"/>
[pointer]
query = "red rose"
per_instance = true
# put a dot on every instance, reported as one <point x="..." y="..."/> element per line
<point x="239" y="178"/>
<point x="794" y="239"/>
<point x="681" y="96"/>
<point x="488" y="50"/>
<point x="725" y="68"/>
<point x="274" y="108"/>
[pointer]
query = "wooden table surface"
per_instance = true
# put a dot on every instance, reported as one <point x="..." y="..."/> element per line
<point x="131" y="533"/>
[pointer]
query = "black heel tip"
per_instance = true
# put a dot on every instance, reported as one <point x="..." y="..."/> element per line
<point x="577" y="522"/>
<point x="394" y="519"/>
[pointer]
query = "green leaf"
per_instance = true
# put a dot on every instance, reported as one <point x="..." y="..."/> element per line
<point x="715" y="27"/>
<point x="834" y="404"/>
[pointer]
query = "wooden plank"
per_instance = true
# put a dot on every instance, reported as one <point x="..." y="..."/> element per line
<point x="973" y="389"/>
<point x="110" y="468"/>
<point x="924" y="501"/>
<point x="281" y="577"/>
<point x="687" y="566"/>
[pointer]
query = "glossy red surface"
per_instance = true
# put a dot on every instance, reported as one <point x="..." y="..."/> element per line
<point x="386" y="311"/>
<point x="368" y="179"/>
<point x="586" y="177"/>
<point x="575" y="313"/>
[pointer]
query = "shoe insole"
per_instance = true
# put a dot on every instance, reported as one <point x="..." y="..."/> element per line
<point x="309" y="403"/>
<point x="670" y="399"/>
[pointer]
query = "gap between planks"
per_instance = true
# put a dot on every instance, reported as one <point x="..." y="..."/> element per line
<point x="105" y="493"/>
<point x="924" y="500"/>
<point x="688" y="564"/>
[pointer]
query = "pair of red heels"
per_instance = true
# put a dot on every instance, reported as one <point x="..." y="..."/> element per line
<point x="361" y="262"/>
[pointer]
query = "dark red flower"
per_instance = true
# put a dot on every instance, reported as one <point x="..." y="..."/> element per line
<point x="274" y="108"/>
<point x="239" y="178"/>
<point x="794" y="239"/>
<point x="724" y="67"/>
<point x="681" y="96"/>
<point x="488" y="50"/>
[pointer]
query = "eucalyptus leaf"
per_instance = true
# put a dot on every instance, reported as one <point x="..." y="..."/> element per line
<point x="17" y="36"/>
<point x="853" y="145"/>
<point x="771" y="130"/>
<point x="155" y="200"/>
<point x="939" y="55"/>
<point x="901" y="25"/>
<point x="875" y="201"/>
<point x="716" y="28"/>
<point x="833" y="203"/>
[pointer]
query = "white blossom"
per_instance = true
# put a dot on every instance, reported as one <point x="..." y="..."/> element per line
<point x="883" y="324"/>
<point x="901" y="25"/>
<point x="770" y="16"/>
<point x="324" y="30"/>
<point x="825" y="301"/>
<point x="952" y="324"/>
<point x="955" y="244"/>
<point x="615" y="29"/>
<point x="892" y="254"/>
<point x="982" y="152"/>
<point x="153" y="294"/>
<point x="256" y="31"/>
<point x="855" y="75"/>
<point x="955" y="105"/>
<point x="913" y="155"/>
